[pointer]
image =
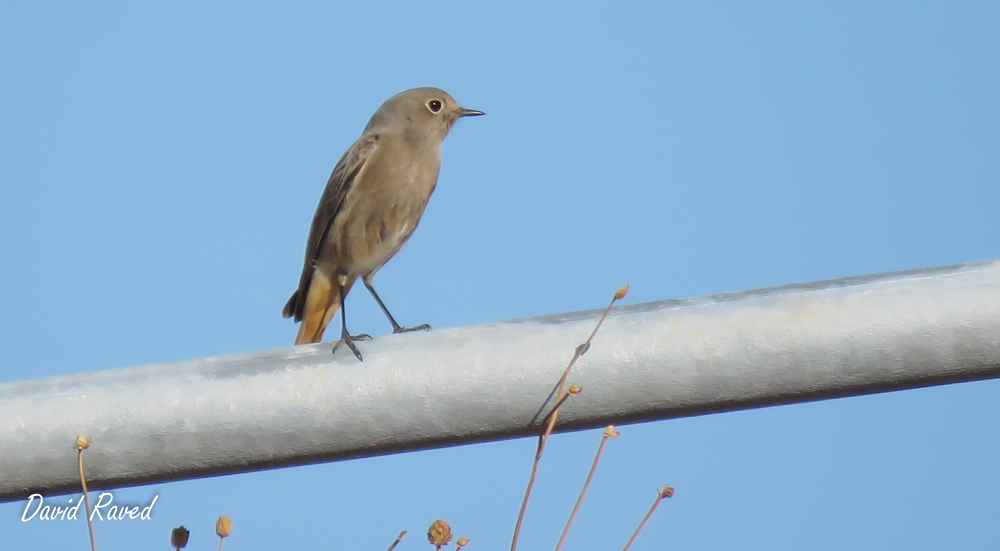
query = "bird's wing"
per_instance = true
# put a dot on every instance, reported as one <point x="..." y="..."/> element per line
<point x="330" y="204"/>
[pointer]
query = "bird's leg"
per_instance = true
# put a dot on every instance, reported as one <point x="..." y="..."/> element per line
<point x="396" y="328"/>
<point x="345" y="336"/>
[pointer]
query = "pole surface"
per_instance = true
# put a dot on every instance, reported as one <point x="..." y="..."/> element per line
<point x="658" y="360"/>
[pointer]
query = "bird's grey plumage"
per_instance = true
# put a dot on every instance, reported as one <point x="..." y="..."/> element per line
<point x="329" y="205"/>
<point x="372" y="203"/>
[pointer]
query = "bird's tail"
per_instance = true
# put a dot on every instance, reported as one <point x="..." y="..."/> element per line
<point x="322" y="302"/>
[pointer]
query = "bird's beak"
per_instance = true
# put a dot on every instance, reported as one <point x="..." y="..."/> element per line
<point x="463" y="112"/>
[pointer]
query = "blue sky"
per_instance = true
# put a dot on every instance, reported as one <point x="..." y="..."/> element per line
<point x="159" y="166"/>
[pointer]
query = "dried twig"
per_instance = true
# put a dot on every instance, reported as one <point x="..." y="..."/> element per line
<point x="609" y="432"/>
<point x="571" y="391"/>
<point x="554" y="414"/>
<point x="399" y="538"/>
<point x="666" y="492"/>
<point x="82" y="443"/>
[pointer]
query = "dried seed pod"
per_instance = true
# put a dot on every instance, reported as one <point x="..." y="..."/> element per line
<point x="621" y="292"/>
<point x="179" y="537"/>
<point x="439" y="533"/>
<point x="223" y="526"/>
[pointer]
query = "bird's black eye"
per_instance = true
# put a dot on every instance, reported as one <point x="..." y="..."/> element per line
<point x="434" y="105"/>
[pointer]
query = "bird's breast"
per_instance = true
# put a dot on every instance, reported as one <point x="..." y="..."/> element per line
<point x="383" y="207"/>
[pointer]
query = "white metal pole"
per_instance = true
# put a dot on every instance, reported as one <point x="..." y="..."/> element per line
<point x="292" y="406"/>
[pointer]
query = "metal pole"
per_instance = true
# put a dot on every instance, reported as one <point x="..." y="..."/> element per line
<point x="292" y="406"/>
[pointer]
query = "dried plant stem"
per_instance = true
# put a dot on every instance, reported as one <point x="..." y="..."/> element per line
<point x="527" y="494"/>
<point x="580" y="351"/>
<point x="556" y="407"/>
<point x="399" y="538"/>
<point x="554" y="414"/>
<point x="86" y="499"/>
<point x="220" y="543"/>
<point x="583" y="492"/>
<point x="666" y="492"/>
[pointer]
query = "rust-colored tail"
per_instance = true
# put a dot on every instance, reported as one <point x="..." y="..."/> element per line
<point x="321" y="304"/>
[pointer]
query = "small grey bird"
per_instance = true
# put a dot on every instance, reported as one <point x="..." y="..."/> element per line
<point x="370" y="207"/>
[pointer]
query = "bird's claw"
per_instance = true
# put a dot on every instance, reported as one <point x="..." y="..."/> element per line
<point x="349" y="340"/>
<point x="421" y="327"/>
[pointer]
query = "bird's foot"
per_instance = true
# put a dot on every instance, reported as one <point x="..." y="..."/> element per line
<point x="421" y="327"/>
<point x="349" y="340"/>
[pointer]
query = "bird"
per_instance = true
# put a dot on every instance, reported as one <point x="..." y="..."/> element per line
<point x="372" y="202"/>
